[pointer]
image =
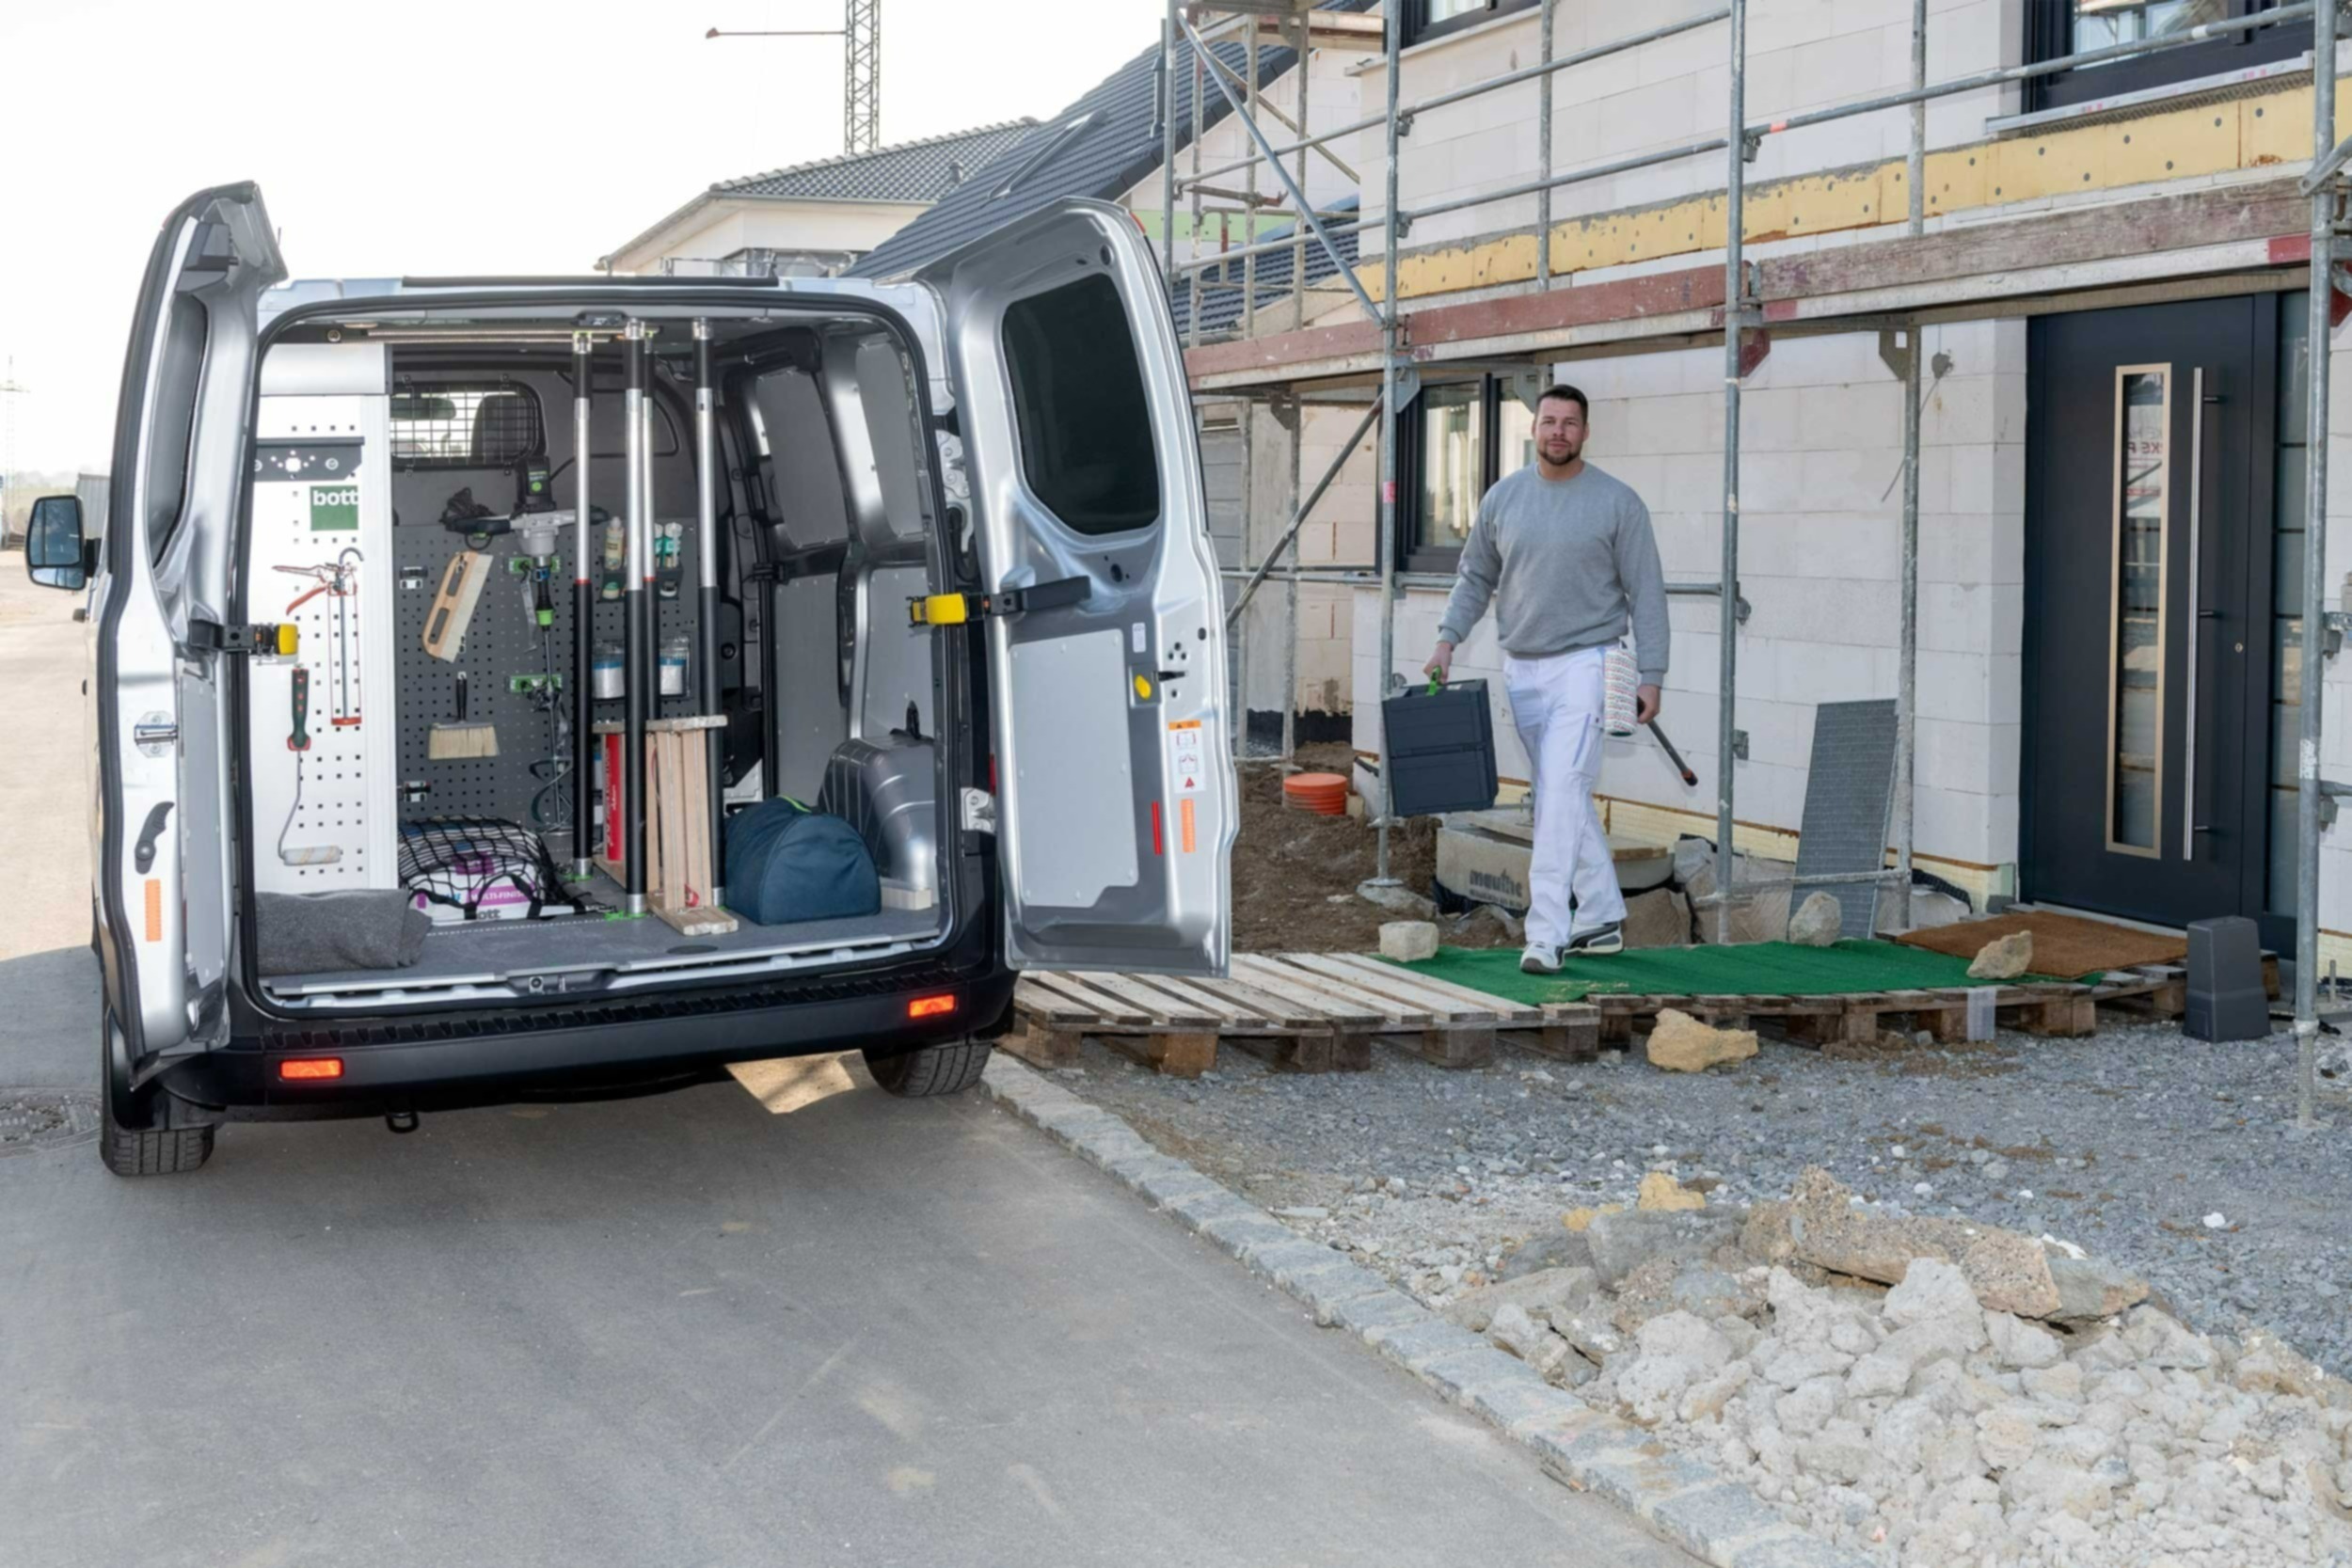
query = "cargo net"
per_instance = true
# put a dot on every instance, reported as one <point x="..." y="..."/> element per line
<point x="484" y="866"/>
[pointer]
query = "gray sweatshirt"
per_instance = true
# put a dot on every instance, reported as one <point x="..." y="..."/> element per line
<point x="1573" y="559"/>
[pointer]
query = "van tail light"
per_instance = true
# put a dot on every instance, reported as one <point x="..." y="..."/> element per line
<point x="931" y="1007"/>
<point x="309" y="1070"/>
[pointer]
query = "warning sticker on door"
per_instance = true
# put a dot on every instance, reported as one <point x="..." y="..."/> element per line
<point x="1186" y="755"/>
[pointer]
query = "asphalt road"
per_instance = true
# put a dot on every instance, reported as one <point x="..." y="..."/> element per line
<point x="688" y="1330"/>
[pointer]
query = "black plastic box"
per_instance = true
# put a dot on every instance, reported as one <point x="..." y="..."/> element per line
<point x="1440" y="750"/>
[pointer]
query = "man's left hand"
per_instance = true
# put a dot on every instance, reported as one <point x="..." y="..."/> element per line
<point x="1645" y="703"/>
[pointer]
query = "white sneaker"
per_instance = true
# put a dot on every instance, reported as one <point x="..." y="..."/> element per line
<point x="1541" y="958"/>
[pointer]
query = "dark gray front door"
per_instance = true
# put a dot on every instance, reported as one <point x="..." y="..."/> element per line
<point x="2152" y="461"/>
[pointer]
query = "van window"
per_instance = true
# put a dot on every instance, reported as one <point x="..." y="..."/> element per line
<point x="455" y="426"/>
<point x="1078" y="398"/>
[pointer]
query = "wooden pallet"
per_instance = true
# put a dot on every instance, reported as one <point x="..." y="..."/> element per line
<point x="1307" y="1012"/>
<point x="2065" y="1011"/>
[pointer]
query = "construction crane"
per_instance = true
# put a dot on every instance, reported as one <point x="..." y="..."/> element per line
<point x="861" y="67"/>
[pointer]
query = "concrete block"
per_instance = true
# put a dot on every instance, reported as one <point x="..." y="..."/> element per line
<point x="1408" y="941"/>
<point x="1382" y="1312"/>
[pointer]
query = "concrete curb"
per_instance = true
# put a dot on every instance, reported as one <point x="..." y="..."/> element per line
<point x="1682" y="1499"/>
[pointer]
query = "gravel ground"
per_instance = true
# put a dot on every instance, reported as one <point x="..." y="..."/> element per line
<point x="2170" y="1156"/>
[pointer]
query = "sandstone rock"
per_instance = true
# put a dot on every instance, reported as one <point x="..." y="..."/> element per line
<point x="1535" y="1294"/>
<point x="2020" y="1344"/>
<point x="2269" y="1366"/>
<point x="1659" y="918"/>
<point x="1818" y="921"/>
<point x="2008" y="1273"/>
<point x="1764" y="1238"/>
<point x="2090" y="1288"/>
<point x="1621" y="1242"/>
<point x="1680" y="1043"/>
<point x="1408" y="941"/>
<point x="1660" y="1191"/>
<point x="1403" y="900"/>
<point x="1580" y="1220"/>
<point x="2004" y="958"/>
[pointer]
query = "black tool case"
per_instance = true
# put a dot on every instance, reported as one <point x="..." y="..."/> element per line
<point x="1440" y="750"/>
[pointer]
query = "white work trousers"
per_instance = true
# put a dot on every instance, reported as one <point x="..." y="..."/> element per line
<point x="1556" y="705"/>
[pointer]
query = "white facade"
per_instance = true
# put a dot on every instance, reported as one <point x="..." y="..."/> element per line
<point x="717" y="234"/>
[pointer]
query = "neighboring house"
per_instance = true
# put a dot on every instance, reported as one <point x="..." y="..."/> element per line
<point x="812" y="219"/>
<point x="2113" y="264"/>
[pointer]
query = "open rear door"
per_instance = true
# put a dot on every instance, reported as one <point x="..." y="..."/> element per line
<point x="1106" y="630"/>
<point x="161" y="840"/>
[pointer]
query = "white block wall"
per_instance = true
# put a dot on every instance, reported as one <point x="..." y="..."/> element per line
<point x="1802" y="55"/>
<point x="1821" y="560"/>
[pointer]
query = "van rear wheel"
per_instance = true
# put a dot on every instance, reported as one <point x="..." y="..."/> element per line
<point x="930" y="1070"/>
<point x="130" y="1141"/>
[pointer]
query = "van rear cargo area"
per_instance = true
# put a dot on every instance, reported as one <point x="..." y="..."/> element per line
<point x="505" y="592"/>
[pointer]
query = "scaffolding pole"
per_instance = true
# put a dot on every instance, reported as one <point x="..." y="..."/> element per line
<point x="1735" y="316"/>
<point x="1543" y="151"/>
<point x="1907" y="676"/>
<point x="2309" y="790"/>
<point x="1391" y="231"/>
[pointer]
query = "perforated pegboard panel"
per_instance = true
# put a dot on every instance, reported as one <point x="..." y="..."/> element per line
<point x="501" y="641"/>
<point x="320" y="495"/>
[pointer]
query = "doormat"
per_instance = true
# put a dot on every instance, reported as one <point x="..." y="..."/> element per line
<point x="1742" y="969"/>
<point x="2063" y="944"/>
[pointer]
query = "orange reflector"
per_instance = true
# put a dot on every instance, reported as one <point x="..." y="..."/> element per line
<point x="154" y="909"/>
<point x="930" y="1006"/>
<point x="310" y="1067"/>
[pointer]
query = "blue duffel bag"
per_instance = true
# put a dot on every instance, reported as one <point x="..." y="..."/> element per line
<point x="785" y="863"/>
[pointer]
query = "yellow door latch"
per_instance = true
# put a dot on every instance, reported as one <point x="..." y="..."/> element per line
<point x="956" y="609"/>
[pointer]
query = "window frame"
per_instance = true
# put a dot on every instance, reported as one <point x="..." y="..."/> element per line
<point x="1412" y="461"/>
<point x="1420" y="29"/>
<point x="413" y="385"/>
<point x="2049" y="35"/>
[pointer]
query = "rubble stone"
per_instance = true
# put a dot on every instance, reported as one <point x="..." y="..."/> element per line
<point x="2003" y="958"/>
<point x="1622" y="1242"/>
<point x="1660" y="1191"/>
<point x="1537" y="1294"/>
<point x="1403" y="900"/>
<point x="2008" y="1272"/>
<point x="1818" y="921"/>
<point x="2092" y="1287"/>
<point x="1408" y="941"/>
<point x="1680" y="1043"/>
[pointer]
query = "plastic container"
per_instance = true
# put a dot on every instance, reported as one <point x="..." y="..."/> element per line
<point x="1441" y="749"/>
<point x="676" y="651"/>
<point x="1621" y="693"/>
<point x="609" y="672"/>
<point x="1324" y="794"/>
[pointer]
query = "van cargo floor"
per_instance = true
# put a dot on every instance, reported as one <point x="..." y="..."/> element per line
<point x="499" y="952"/>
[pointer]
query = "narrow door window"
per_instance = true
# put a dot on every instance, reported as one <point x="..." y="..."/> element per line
<point x="2143" y="414"/>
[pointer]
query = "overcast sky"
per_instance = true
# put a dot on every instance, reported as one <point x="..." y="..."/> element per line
<point x="436" y="137"/>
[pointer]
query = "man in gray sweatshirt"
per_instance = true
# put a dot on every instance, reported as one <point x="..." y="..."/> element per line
<point x="1567" y="552"/>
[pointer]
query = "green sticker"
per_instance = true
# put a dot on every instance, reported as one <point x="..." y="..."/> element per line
<point x="334" y="507"/>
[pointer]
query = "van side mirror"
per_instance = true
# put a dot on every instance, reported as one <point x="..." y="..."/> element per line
<point x="54" y="552"/>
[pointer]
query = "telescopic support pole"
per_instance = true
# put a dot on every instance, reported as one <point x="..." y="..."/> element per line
<point x="706" y="555"/>
<point x="637" y="571"/>
<point x="583" y="620"/>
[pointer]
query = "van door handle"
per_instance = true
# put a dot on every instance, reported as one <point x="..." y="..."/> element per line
<point x="143" y="856"/>
<point x="2195" y="617"/>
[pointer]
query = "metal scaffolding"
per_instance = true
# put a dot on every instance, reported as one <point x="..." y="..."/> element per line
<point x="1900" y="345"/>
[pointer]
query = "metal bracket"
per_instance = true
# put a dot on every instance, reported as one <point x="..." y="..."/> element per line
<point x="1740" y="744"/>
<point x="1751" y="143"/>
<point x="2335" y="623"/>
<point x="2329" y="790"/>
<point x="1407" y="384"/>
<point x="1404" y="122"/>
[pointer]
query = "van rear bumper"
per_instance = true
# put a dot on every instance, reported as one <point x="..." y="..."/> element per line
<point x="491" y="1057"/>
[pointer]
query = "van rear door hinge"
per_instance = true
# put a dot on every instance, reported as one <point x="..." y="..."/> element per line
<point x="269" y="639"/>
<point x="955" y="609"/>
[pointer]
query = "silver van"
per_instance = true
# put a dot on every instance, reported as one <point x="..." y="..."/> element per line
<point x="515" y="687"/>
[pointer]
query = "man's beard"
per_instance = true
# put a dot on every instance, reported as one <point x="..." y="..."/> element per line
<point x="1559" y="456"/>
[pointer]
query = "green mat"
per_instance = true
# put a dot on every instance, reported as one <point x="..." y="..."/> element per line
<point x="1750" y="969"/>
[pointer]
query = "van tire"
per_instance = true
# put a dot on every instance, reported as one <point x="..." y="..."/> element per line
<point x="930" y="1070"/>
<point x="127" y="1143"/>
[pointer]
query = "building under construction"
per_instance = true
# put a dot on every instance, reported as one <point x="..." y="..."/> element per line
<point x="1966" y="357"/>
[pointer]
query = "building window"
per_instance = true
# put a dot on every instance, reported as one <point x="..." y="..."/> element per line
<point x="1457" y="439"/>
<point x="2055" y="28"/>
<point x="1430" y="19"/>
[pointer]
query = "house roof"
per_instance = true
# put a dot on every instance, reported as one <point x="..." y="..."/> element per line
<point x="922" y="170"/>
<point x="1076" y="155"/>
<point x="1220" y="307"/>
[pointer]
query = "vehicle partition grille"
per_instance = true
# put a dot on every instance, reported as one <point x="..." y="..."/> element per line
<point x="445" y="425"/>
